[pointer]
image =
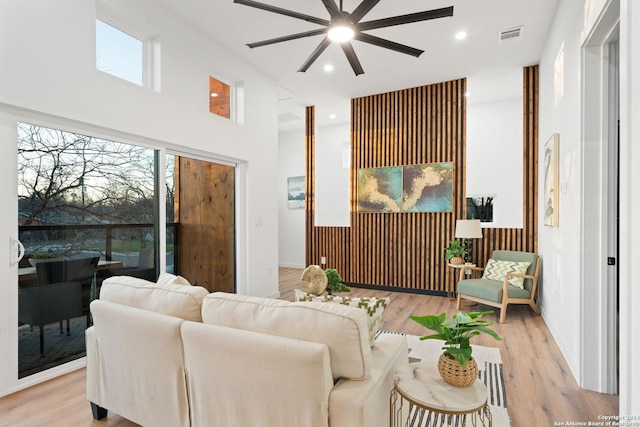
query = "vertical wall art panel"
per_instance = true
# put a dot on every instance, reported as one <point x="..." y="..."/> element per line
<point x="550" y="169"/>
<point x="296" y="192"/>
<point x="411" y="127"/>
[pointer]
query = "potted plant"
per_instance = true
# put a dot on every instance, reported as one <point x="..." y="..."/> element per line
<point x="454" y="252"/>
<point x="456" y="365"/>
<point x="334" y="282"/>
<point x="42" y="256"/>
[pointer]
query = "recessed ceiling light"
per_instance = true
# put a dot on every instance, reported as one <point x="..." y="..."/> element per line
<point x="328" y="68"/>
<point x="332" y="116"/>
<point x="461" y="35"/>
<point x="467" y="94"/>
<point x="213" y="94"/>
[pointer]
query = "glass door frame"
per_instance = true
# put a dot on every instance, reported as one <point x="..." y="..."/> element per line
<point x="9" y="119"/>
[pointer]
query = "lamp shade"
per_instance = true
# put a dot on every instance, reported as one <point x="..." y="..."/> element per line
<point x="468" y="229"/>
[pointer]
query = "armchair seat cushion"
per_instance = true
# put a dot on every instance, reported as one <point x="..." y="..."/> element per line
<point x="489" y="289"/>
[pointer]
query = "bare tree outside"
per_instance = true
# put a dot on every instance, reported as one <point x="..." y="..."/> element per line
<point x="66" y="178"/>
<point x="70" y="178"/>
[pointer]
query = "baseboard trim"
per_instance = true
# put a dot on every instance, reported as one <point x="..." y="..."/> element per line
<point x="291" y="265"/>
<point x="396" y="289"/>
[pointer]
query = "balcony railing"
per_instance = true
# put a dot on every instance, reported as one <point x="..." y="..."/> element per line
<point x="123" y="242"/>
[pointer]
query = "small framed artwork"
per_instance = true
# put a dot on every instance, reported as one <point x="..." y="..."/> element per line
<point x="296" y="192"/>
<point x="481" y="207"/>
<point x="551" y="181"/>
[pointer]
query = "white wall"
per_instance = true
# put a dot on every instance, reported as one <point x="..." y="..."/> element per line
<point x="494" y="144"/>
<point x="291" y="222"/>
<point x="559" y="247"/>
<point x="332" y="184"/>
<point x="563" y="294"/>
<point x="47" y="52"/>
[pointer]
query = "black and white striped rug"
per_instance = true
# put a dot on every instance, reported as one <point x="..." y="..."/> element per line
<point x="489" y="371"/>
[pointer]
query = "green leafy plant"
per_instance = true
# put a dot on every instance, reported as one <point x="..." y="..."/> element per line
<point x="457" y="331"/>
<point x="455" y="249"/>
<point x="334" y="282"/>
<point x="44" y="255"/>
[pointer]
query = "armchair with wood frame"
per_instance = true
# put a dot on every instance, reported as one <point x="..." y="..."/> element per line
<point x="506" y="280"/>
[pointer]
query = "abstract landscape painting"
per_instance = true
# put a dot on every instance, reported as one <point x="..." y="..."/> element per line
<point x="380" y="189"/>
<point x="415" y="188"/>
<point x="427" y="187"/>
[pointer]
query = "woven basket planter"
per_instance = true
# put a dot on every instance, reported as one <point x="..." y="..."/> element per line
<point x="456" y="260"/>
<point x="454" y="374"/>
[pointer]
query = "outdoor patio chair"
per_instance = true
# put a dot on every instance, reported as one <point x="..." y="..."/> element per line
<point x="58" y="295"/>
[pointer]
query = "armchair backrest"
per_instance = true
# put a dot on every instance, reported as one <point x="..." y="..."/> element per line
<point x="517" y="256"/>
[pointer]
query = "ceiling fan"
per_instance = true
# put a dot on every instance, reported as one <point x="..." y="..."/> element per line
<point x="344" y="26"/>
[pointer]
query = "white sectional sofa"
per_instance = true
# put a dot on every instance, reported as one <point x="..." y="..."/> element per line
<point x="175" y="355"/>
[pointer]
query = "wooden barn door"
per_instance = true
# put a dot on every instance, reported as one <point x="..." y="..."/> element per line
<point x="205" y="210"/>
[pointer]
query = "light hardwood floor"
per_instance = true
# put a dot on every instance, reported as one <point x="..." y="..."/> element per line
<point x="540" y="388"/>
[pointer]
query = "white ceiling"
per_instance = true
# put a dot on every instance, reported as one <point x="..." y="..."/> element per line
<point x="445" y="58"/>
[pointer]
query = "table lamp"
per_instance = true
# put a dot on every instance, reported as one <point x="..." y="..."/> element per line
<point x="468" y="229"/>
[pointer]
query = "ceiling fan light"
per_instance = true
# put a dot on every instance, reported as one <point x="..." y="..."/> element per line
<point x="340" y="33"/>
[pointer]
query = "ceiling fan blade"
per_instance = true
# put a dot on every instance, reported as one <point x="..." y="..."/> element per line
<point x="388" y="44"/>
<point x="352" y="58"/>
<point x="287" y="38"/>
<point x="315" y="54"/>
<point x="282" y="11"/>
<point x="362" y="9"/>
<point x="332" y="8"/>
<point x="406" y="19"/>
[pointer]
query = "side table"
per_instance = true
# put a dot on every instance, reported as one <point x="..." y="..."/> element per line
<point x="422" y="398"/>
<point x="456" y="267"/>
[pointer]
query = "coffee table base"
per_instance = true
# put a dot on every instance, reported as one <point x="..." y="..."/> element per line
<point x="405" y="413"/>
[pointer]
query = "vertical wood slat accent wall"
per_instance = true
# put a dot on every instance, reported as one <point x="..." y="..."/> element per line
<point x="405" y="250"/>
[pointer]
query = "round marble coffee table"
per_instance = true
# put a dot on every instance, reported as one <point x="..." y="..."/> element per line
<point x="422" y="398"/>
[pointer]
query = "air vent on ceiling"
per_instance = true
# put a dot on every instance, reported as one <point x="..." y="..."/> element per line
<point x="288" y="117"/>
<point x="510" y="35"/>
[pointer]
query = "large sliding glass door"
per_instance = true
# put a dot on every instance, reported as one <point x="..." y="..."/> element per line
<point x="87" y="209"/>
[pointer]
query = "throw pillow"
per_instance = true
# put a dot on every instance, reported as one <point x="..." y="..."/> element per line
<point x="172" y="279"/>
<point x="372" y="305"/>
<point x="497" y="269"/>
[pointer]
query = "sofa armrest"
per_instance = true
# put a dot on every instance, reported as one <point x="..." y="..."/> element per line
<point x="93" y="363"/>
<point x="243" y="378"/>
<point x="366" y="402"/>
<point x="139" y="358"/>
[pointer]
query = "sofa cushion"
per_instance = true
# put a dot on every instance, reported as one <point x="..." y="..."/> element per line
<point x="135" y="365"/>
<point x="374" y="307"/>
<point x="180" y="301"/>
<point x="343" y="329"/>
<point x="172" y="279"/>
<point x="244" y="378"/>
